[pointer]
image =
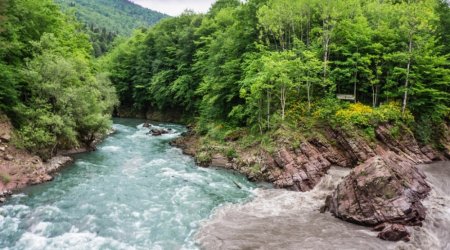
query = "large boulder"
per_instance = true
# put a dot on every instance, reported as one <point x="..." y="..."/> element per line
<point x="385" y="188"/>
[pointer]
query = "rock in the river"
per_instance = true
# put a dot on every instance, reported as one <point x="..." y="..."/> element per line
<point x="385" y="188"/>
<point x="56" y="163"/>
<point x="392" y="232"/>
<point x="4" y="194"/>
<point x="158" y="132"/>
<point x="147" y="125"/>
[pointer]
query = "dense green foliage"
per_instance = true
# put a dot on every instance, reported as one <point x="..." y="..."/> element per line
<point x="119" y="16"/>
<point x="102" y="40"/>
<point x="263" y="63"/>
<point x="106" y="19"/>
<point x="50" y="89"/>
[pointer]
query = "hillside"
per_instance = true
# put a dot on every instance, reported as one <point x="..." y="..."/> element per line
<point x="120" y="16"/>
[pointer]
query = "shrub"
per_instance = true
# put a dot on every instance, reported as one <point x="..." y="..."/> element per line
<point x="255" y="168"/>
<point x="203" y="158"/>
<point x="231" y="153"/>
<point x="355" y="114"/>
<point x="327" y="108"/>
<point x="5" y="178"/>
<point x="363" y="116"/>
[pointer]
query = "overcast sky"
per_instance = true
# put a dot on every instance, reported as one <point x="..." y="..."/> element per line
<point x="176" y="7"/>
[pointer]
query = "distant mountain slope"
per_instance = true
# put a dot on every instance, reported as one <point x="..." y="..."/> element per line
<point x="118" y="16"/>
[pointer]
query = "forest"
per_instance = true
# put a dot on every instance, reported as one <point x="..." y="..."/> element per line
<point x="119" y="16"/>
<point x="266" y="65"/>
<point x="260" y="67"/>
<point x="51" y="88"/>
<point x="105" y="20"/>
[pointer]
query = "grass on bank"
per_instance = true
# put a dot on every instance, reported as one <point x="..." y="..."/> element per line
<point x="354" y="119"/>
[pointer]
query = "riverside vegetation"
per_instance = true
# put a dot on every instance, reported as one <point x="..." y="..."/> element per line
<point x="266" y="67"/>
<point x="258" y="82"/>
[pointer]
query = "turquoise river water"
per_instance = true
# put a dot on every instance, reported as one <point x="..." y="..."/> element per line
<point x="138" y="192"/>
<point x="134" y="192"/>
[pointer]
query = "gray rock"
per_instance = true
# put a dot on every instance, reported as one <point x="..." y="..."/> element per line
<point x="5" y="137"/>
<point x="8" y="157"/>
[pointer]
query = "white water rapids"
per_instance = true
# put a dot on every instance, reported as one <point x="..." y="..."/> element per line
<point x="280" y="219"/>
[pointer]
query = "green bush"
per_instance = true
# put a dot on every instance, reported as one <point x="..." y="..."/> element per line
<point x="231" y="153"/>
<point x="255" y="168"/>
<point x="327" y="108"/>
<point x="203" y="158"/>
<point x="5" y="178"/>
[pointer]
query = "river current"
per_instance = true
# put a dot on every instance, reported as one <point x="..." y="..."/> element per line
<point x="138" y="192"/>
<point x="280" y="219"/>
<point x="134" y="192"/>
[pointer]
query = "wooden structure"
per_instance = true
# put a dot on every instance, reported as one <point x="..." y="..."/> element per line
<point x="345" y="97"/>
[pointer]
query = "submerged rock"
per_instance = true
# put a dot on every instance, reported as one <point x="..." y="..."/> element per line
<point x="385" y="188"/>
<point x="147" y="125"/>
<point x="158" y="132"/>
<point x="392" y="232"/>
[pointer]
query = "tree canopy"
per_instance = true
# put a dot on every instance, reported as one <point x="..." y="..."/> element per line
<point x="255" y="63"/>
<point x="50" y="87"/>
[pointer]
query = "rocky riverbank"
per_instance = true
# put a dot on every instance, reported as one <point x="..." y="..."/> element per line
<point x="385" y="188"/>
<point x="19" y="168"/>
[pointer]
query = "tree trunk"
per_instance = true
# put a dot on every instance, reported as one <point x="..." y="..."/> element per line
<point x="354" y="83"/>
<point x="373" y="96"/>
<point x="268" y="110"/>
<point x="408" y="68"/>
<point x="283" y="100"/>
<point x="326" y="41"/>
<point x="260" y="119"/>
<point x="325" y="60"/>
<point x="308" y="90"/>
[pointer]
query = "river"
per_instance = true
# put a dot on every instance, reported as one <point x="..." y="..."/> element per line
<point x="280" y="219"/>
<point x="134" y="192"/>
<point x="138" y="192"/>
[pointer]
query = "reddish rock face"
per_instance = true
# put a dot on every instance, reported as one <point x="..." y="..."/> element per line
<point x="301" y="169"/>
<point x="19" y="168"/>
<point x="386" y="188"/>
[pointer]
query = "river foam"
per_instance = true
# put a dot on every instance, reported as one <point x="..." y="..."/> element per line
<point x="280" y="219"/>
<point x="134" y="192"/>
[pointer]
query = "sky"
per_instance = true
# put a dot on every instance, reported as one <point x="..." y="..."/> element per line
<point x="176" y="7"/>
